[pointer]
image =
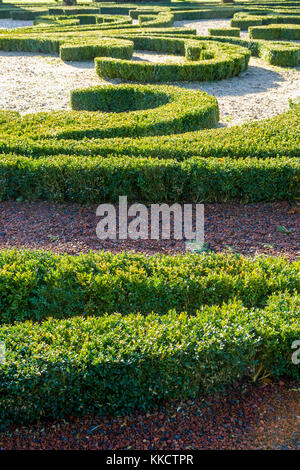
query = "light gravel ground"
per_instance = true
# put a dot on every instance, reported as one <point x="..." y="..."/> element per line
<point x="32" y="83"/>
<point x="6" y="23"/>
<point x="202" y="26"/>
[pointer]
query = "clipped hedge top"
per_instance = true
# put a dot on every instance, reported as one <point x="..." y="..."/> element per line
<point x="177" y="110"/>
<point x="97" y="283"/>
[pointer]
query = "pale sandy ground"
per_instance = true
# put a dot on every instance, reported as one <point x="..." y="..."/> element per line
<point x="32" y="83"/>
<point x="6" y="23"/>
<point x="202" y="26"/>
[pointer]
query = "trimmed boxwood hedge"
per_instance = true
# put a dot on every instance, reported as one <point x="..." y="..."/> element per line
<point x="275" y="137"/>
<point x="93" y="179"/>
<point x="244" y="20"/>
<point x="235" y="32"/>
<point x="273" y="31"/>
<point x="109" y="47"/>
<point x="48" y="38"/>
<point x="35" y="285"/>
<point x="166" y="110"/>
<point x="162" y="20"/>
<point x="280" y="54"/>
<point x="220" y="61"/>
<point x="176" y="110"/>
<point x="117" y="364"/>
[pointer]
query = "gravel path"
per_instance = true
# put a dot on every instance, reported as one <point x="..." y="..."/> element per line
<point x="7" y="23"/>
<point x="32" y="83"/>
<point x="248" y="229"/>
<point x="202" y="26"/>
<point x="249" y="418"/>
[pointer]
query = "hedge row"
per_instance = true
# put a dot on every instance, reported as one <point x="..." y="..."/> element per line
<point x="220" y="61"/>
<point x="276" y="137"/>
<point x="162" y="20"/>
<point x="272" y="31"/>
<point x="93" y="179"/>
<point x="25" y="15"/>
<point x="116" y="364"/>
<point x="69" y="20"/>
<point x="87" y="39"/>
<point x="235" y="32"/>
<point x="109" y="47"/>
<point x="282" y="54"/>
<point x="35" y="285"/>
<point x="159" y="110"/>
<point x="244" y="21"/>
<point x="171" y="110"/>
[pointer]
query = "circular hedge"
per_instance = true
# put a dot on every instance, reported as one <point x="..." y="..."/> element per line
<point x="118" y="98"/>
<point x="205" y="61"/>
<point x="146" y="110"/>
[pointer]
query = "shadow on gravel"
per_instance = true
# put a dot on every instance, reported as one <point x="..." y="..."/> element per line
<point x="254" y="80"/>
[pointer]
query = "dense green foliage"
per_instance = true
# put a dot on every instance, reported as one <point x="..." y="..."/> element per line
<point x="116" y="364"/>
<point x="93" y="179"/>
<point x="167" y="110"/>
<point x="217" y="61"/>
<point x="273" y="31"/>
<point x="42" y="134"/>
<point x="235" y="32"/>
<point x="36" y="285"/>
<point x="244" y="20"/>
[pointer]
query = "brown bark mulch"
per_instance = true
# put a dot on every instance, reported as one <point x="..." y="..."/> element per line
<point x="263" y="416"/>
<point x="269" y="228"/>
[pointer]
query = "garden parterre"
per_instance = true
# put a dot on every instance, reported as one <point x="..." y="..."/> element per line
<point x="103" y="333"/>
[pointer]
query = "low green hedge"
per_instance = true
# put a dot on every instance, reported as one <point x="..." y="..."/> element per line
<point x="93" y="179"/>
<point x="87" y="19"/>
<point x="273" y="31"/>
<point x="109" y="47"/>
<point x="36" y="285"/>
<point x="222" y="61"/>
<point x="176" y="110"/>
<point x="194" y="14"/>
<point x="280" y="54"/>
<point x="235" y="32"/>
<point x="244" y="20"/>
<point x="171" y="110"/>
<point x="162" y="20"/>
<point x="276" y="137"/>
<point x="117" y="364"/>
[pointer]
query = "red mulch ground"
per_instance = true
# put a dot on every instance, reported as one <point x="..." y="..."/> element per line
<point x="248" y="229"/>
<point x="246" y="417"/>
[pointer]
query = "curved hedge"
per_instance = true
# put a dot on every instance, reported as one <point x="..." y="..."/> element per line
<point x="161" y="109"/>
<point x="270" y="138"/>
<point x="115" y="365"/>
<point x="162" y="20"/>
<point x="248" y="163"/>
<point x="217" y="61"/>
<point x="177" y="110"/>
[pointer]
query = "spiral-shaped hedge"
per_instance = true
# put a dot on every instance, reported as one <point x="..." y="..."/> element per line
<point x="142" y="110"/>
<point x="213" y="61"/>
